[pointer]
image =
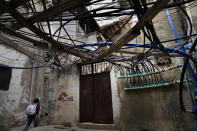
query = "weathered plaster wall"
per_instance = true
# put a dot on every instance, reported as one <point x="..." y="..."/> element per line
<point x="156" y="109"/>
<point x="12" y="101"/>
<point x="191" y="10"/>
<point x="116" y="104"/>
<point x="64" y="97"/>
<point x="16" y="99"/>
<point x="153" y="110"/>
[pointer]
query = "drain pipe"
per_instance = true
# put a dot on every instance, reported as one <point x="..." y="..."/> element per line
<point x="31" y="86"/>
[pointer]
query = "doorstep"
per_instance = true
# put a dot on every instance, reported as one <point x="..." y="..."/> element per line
<point x="114" y="127"/>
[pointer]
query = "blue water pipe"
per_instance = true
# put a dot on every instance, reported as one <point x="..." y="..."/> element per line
<point x="182" y="50"/>
<point x="191" y="72"/>
<point x="33" y="67"/>
<point x="183" y="53"/>
<point x="14" y="67"/>
<point x="132" y="45"/>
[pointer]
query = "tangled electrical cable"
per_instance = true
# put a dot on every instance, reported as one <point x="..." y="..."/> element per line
<point x="183" y="76"/>
<point x="139" y="67"/>
<point x="105" y="11"/>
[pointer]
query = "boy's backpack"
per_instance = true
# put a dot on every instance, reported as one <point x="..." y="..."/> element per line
<point x="31" y="109"/>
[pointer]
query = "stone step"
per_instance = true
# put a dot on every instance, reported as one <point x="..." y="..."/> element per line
<point x="110" y="127"/>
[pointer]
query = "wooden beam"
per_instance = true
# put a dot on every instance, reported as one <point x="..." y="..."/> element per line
<point x="56" y="46"/>
<point x="53" y="11"/>
<point x="148" y="54"/>
<point x="8" y="42"/>
<point x="18" y="35"/>
<point x="134" y="32"/>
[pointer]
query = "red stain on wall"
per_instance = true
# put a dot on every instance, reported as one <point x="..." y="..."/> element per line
<point x="61" y="96"/>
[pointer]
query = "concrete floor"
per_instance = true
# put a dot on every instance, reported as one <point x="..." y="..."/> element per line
<point x="55" y="128"/>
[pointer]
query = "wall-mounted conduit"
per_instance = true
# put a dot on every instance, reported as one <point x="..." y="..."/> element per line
<point x="150" y="73"/>
<point x="154" y="85"/>
<point x="146" y="81"/>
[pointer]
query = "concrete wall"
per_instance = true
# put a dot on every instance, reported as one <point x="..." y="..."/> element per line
<point x="14" y="100"/>
<point x="116" y="104"/>
<point x="23" y="87"/>
<point x="64" y="97"/>
<point x="191" y="10"/>
<point x="153" y="110"/>
<point x="156" y="109"/>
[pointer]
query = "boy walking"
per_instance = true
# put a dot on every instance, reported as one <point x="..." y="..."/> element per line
<point x="32" y="113"/>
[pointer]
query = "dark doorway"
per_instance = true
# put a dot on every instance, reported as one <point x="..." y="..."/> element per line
<point x="95" y="98"/>
<point x="5" y="77"/>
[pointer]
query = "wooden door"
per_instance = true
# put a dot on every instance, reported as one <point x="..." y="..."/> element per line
<point x="86" y="98"/>
<point x="102" y="98"/>
<point x="95" y="98"/>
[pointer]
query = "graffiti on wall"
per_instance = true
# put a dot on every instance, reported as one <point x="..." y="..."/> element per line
<point x="54" y="106"/>
<point x="64" y="97"/>
<point x="55" y="99"/>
